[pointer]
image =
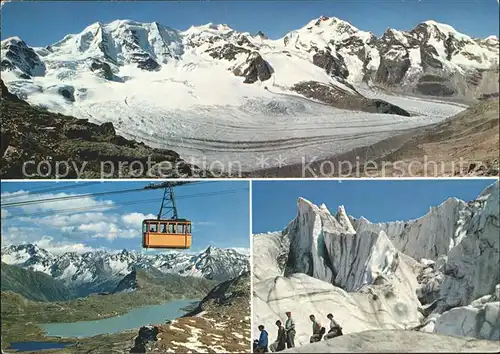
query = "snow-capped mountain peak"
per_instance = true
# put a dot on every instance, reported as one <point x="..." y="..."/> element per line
<point x="88" y="270"/>
<point x="18" y="56"/>
<point x="328" y="22"/>
<point x="121" y="42"/>
<point x="444" y="28"/>
<point x="208" y="30"/>
<point x="12" y="40"/>
<point x="323" y="32"/>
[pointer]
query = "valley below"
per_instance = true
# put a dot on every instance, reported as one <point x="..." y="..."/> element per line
<point x="115" y="320"/>
<point x="82" y="319"/>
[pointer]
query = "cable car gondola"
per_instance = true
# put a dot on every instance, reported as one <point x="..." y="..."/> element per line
<point x="167" y="233"/>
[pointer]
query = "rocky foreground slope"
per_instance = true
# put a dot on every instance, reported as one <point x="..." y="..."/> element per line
<point x="436" y="274"/>
<point x="37" y="143"/>
<point x="463" y="145"/>
<point x="219" y="324"/>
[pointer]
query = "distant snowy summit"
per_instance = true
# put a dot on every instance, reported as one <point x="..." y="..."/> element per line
<point x="431" y="59"/>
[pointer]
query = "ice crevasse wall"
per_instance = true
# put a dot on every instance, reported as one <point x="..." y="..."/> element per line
<point x="438" y="273"/>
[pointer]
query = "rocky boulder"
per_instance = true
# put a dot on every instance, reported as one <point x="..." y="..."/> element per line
<point x="334" y="96"/>
<point x="228" y="51"/>
<point x="102" y="69"/>
<point x="333" y="65"/>
<point x="146" y="334"/>
<point x="254" y="69"/>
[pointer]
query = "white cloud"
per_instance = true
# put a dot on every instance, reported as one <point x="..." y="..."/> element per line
<point x="5" y="213"/>
<point x="72" y="219"/>
<point x="109" y="230"/>
<point x="72" y="230"/>
<point x="55" y="247"/>
<point x="19" y="234"/>
<point x="81" y="202"/>
<point x="135" y="219"/>
<point x="97" y="227"/>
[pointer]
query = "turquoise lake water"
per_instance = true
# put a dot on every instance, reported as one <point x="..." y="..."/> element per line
<point x="141" y="316"/>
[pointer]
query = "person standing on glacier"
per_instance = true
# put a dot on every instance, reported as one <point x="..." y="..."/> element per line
<point x="279" y="345"/>
<point x="290" y="330"/>
<point x="261" y="345"/>
<point x="335" y="329"/>
<point x="318" y="331"/>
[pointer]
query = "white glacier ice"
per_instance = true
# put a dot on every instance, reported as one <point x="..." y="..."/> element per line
<point x="438" y="274"/>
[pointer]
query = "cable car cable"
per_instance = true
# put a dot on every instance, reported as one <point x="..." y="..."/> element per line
<point x="64" y="211"/>
<point x="87" y="195"/>
<point x="45" y="190"/>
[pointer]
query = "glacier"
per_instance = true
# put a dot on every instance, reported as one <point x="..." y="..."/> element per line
<point x="178" y="89"/>
<point x="438" y="274"/>
<point x="394" y="341"/>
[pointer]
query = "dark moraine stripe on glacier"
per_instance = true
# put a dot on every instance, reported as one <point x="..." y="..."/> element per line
<point x="135" y="318"/>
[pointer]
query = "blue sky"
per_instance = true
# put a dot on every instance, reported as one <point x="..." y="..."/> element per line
<point x="219" y="216"/>
<point x="42" y="23"/>
<point x="274" y="204"/>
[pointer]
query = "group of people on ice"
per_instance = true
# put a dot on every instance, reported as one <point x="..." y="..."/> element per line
<point x="286" y="334"/>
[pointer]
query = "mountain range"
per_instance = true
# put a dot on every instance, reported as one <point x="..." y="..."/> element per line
<point x="204" y="91"/>
<point x="437" y="274"/>
<point x="35" y="286"/>
<point x="103" y="271"/>
<point x="431" y="59"/>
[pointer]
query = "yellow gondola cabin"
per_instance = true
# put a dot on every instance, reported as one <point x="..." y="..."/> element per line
<point x="171" y="233"/>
